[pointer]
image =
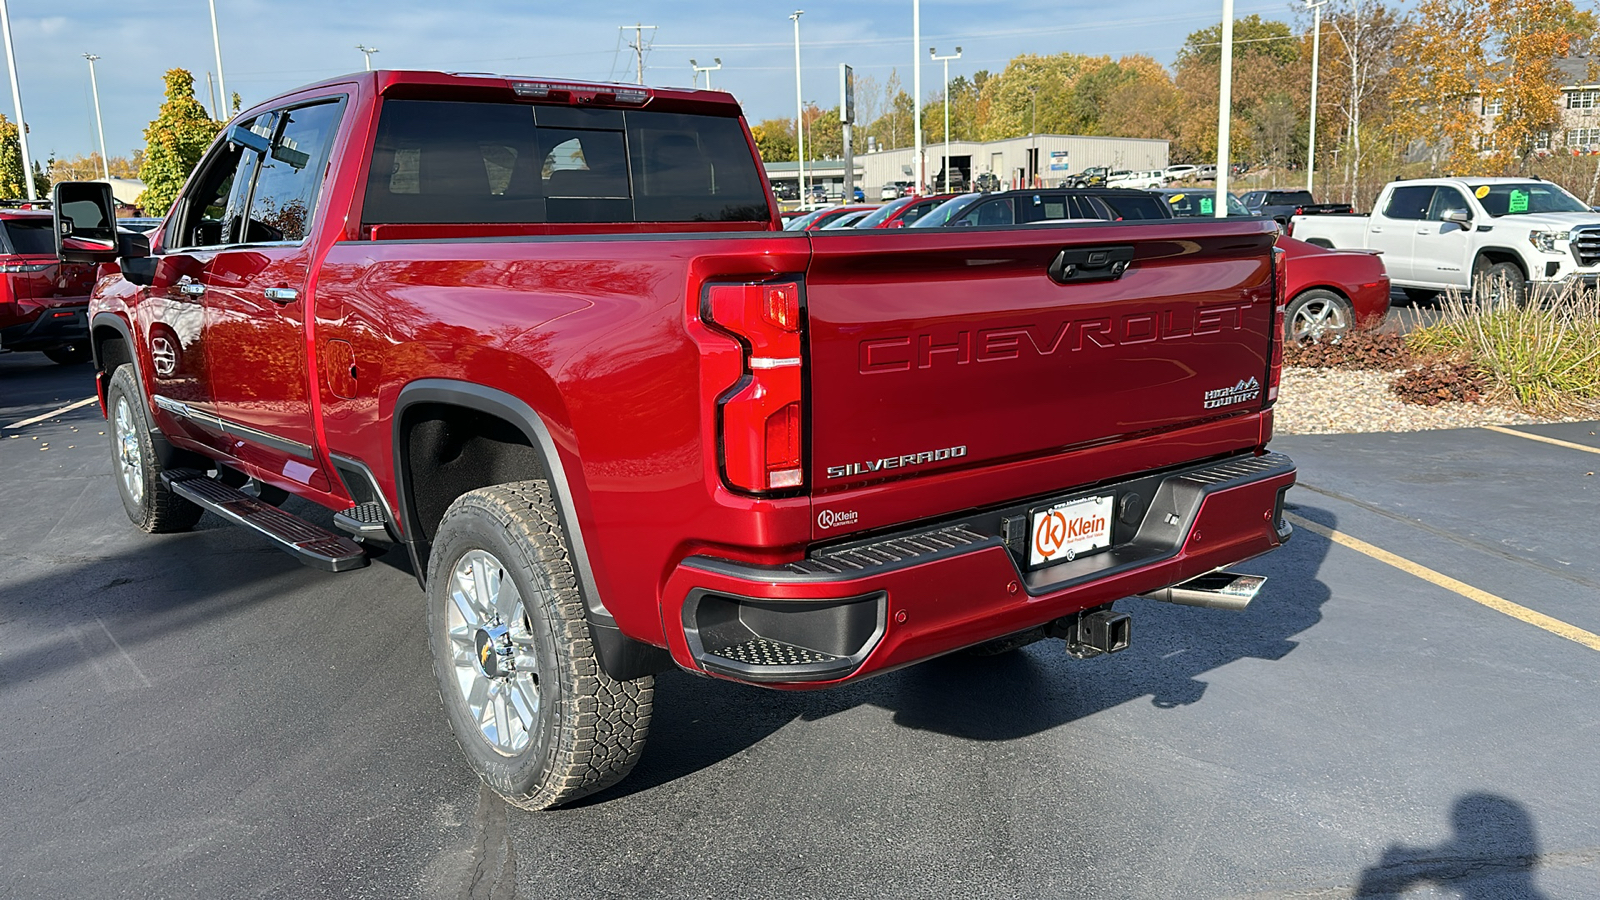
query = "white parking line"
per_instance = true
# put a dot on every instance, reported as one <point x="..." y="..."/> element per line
<point x="53" y="413"/>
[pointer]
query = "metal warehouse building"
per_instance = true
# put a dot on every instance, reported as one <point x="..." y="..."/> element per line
<point x="1016" y="162"/>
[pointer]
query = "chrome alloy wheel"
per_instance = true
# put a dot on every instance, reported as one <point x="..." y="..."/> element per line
<point x="1320" y="318"/>
<point x="126" y="447"/>
<point x="492" y="650"/>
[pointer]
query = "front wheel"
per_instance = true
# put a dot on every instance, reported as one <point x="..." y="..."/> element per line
<point x="1500" y="285"/>
<point x="150" y="504"/>
<point x="537" y="717"/>
<point x="1317" y="316"/>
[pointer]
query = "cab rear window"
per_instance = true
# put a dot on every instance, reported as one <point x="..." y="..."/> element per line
<point x="444" y="162"/>
<point x="29" y="237"/>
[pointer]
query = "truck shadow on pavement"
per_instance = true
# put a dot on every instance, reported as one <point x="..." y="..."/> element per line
<point x="700" y="723"/>
<point x="1492" y="853"/>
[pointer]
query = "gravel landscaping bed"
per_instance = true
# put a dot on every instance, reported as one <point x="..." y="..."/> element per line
<point x="1341" y="401"/>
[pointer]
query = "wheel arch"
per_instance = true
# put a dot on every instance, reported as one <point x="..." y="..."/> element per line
<point x="517" y="444"/>
<point x="111" y="344"/>
<point x="1488" y="256"/>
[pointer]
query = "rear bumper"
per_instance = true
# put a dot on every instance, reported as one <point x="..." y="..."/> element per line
<point x="54" y="325"/>
<point x="853" y="610"/>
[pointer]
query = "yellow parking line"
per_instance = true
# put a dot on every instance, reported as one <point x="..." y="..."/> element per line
<point x="1498" y="604"/>
<point x="1542" y="439"/>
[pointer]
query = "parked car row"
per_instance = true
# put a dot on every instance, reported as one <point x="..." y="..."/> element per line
<point x="1331" y="292"/>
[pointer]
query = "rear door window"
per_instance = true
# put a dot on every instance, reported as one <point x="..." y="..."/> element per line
<point x="443" y="162"/>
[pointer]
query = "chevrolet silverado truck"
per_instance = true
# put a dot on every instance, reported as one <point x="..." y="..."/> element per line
<point x="1495" y="235"/>
<point x="549" y="338"/>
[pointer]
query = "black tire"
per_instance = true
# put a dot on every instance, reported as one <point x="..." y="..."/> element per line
<point x="1008" y="644"/>
<point x="69" y="354"/>
<point x="1317" y="316"/>
<point x="1500" y="284"/>
<point x="150" y="504"/>
<point x="1419" y="296"/>
<point x="578" y="730"/>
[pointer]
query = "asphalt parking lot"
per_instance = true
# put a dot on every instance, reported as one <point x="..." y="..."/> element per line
<point x="197" y="715"/>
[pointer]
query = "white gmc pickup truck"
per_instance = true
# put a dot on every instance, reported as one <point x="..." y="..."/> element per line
<point x="1438" y="234"/>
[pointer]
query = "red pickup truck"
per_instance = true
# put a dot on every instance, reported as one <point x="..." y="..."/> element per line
<point x="550" y="338"/>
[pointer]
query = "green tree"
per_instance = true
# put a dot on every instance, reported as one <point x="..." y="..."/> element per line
<point x="775" y="140"/>
<point x="13" y="183"/>
<point x="174" y="143"/>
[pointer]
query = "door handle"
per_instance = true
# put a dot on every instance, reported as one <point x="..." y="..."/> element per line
<point x="192" y="288"/>
<point x="282" y="295"/>
<point x="1375" y="230"/>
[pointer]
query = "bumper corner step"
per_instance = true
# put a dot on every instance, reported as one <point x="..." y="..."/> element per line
<point x="311" y="544"/>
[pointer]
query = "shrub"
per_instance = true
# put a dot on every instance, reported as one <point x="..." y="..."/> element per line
<point x="1544" y="355"/>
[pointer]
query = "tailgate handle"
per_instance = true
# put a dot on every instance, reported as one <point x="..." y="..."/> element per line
<point x="1078" y="264"/>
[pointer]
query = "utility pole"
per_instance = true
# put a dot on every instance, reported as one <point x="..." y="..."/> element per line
<point x="94" y="85"/>
<point x="367" y="54"/>
<point x="1316" y="50"/>
<point x="16" y="100"/>
<point x="946" y="60"/>
<point x="1033" y="131"/>
<point x="916" y="91"/>
<point x="799" y="110"/>
<point x="211" y="94"/>
<point x="1224" y="110"/>
<point x="216" y="44"/>
<point x="706" y="69"/>
<point x="638" y="46"/>
<point x="847" y="118"/>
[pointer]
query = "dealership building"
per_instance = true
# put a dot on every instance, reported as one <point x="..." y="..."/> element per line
<point x="1044" y="159"/>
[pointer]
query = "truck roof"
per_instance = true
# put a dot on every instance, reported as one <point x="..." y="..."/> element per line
<point x="419" y="84"/>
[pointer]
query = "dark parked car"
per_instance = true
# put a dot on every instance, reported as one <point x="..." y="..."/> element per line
<point x="1026" y="207"/>
<point x="1094" y="176"/>
<point x="1281" y="205"/>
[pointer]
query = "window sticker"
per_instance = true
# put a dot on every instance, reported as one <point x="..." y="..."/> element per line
<point x="1175" y="198"/>
<point x="1519" y="201"/>
<point x="1481" y="192"/>
<point x="1207" y="205"/>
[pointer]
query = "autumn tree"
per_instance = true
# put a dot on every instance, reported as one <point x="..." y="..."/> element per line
<point x="174" y="143"/>
<point x="13" y="183"/>
<point x="1271" y="86"/>
<point x="1356" y="81"/>
<point x="775" y="139"/>
<point x="1476" y="82"/>
<point x="892" y="126"/>
<point x="87" y="167"/>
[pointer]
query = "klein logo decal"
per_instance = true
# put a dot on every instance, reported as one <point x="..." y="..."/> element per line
<point x="829" y="518"/>
<point x="1243" y="392"/>
<point x="1055" y="530"/>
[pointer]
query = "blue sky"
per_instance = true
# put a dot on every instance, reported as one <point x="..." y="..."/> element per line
<point x="269" y="47"/>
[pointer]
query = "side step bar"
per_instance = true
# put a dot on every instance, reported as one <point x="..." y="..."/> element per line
<point x="1213" y="590"/>
<point x="312" y="545"/>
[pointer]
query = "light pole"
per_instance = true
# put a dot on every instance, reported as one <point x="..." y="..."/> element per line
<point x="1316" y="49"/>
<point x="216" y="44"/>
<point x="916" y="91"/>
<point x="16" y="99"/>
<point x="1224" y="110"/>
<point x="799" y="110"/>
<point x="707" y="69"/>
<point x="366" y="54"/>
<point x="1033" y="158"/>
<point x="933" y="52"/>
<point x="94" y="85"/>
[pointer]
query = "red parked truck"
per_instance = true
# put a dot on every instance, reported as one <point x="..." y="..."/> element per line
<point x="43" y="302"/>
<point x="549" y="338"/>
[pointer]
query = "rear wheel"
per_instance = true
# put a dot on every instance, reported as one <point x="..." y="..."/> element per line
<point x="68" y="354"/>
<point x="150" y="504"/>
<point x="537" y="717"/>
<point x="1317" y="316"/>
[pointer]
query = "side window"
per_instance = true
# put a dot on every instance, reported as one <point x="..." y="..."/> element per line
<point x="213" y="206"/>
<point x="290" y="174"/>
<point x="917" y="210"/>
<point x="1446" y="198"/>
<point x="1409" y="202"/>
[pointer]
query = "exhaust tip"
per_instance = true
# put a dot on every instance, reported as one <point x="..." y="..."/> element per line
<point x="1213" y="590"/>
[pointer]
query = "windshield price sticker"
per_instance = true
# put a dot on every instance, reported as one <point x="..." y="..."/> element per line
<point x="1481" y="192"/>
<point x="1519" y="201"/>
<point x="1069" y="530"/>
<point x="1208" y="205"/>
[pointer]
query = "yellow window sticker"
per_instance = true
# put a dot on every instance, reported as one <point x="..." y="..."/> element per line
<point x="1175" y="198"/>
<point x="1519" y="201"/>
<point x="1481" y="192"/>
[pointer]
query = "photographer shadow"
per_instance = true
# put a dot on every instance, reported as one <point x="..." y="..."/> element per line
<point x="1492" y="854"/>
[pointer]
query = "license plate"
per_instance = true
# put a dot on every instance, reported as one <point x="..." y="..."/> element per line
<point x="1067" y="531"/>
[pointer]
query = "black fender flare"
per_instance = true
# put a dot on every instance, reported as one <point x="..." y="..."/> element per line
<point x="622" y="657"/>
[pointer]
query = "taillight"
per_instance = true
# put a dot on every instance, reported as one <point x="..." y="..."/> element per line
<point x="760" y="421"/>
<point x="1280" y="302"/>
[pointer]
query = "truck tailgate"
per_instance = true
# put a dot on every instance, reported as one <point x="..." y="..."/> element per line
<point x="943" y="352"/>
